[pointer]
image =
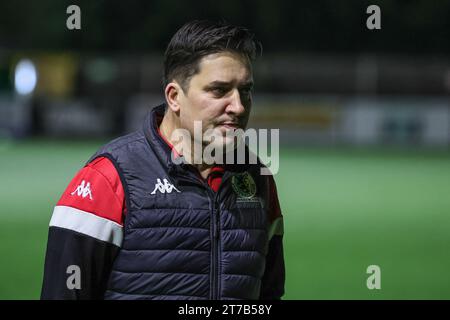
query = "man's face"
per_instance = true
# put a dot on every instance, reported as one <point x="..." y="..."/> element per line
<point x="219" y="95"/>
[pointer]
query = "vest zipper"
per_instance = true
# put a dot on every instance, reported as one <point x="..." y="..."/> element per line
<point x="216" y="240"/>
<point x="215" y="254"/>
<point x="215" y="244"/>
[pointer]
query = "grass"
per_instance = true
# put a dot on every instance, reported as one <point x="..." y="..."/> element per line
<point x="344" y="209"/>
<point x="352" y="209"/>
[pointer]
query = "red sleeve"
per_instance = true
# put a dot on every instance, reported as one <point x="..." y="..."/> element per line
<point x="86" y="230"/>
<point x="97" y="189"/>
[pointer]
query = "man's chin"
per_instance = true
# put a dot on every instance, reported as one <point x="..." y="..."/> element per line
<point x="227" y="144"/>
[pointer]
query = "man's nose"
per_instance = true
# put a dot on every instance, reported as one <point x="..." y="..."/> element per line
<point x="236" y="106"/>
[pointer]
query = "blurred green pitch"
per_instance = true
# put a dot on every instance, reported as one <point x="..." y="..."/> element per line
<point x="344" y="209"/>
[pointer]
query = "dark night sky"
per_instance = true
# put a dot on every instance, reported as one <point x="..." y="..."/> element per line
<point x="418" y="26"/>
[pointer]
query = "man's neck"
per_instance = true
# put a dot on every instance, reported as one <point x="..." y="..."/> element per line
<point x="168" y="125"/>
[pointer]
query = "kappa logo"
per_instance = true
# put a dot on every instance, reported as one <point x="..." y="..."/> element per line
<point x="83" y="190"/>
<point x="165" y="187"/>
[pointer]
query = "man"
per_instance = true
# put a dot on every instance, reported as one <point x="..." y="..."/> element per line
<point x="138" y="223"/>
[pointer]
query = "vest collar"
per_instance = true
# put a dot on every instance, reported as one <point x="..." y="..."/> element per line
<point x="150" y="128"/>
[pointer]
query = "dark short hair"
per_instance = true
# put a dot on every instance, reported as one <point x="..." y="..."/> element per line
<point x="199" y="38"/>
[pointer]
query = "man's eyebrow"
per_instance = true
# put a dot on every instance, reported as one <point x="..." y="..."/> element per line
<point x="219" y="83"/>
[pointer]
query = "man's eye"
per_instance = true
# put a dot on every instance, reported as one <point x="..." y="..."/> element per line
<point x="219" y="91"/>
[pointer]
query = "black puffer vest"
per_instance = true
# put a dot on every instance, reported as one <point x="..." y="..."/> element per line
<point x="181" y="239"/>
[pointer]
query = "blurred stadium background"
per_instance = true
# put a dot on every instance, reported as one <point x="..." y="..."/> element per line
<point x="364" y="120"/>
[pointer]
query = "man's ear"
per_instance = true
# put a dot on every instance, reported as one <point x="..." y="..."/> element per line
<point x="173" y="94"/>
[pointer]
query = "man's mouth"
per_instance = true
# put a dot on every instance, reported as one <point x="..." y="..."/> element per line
<point x="231" y="125"/>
